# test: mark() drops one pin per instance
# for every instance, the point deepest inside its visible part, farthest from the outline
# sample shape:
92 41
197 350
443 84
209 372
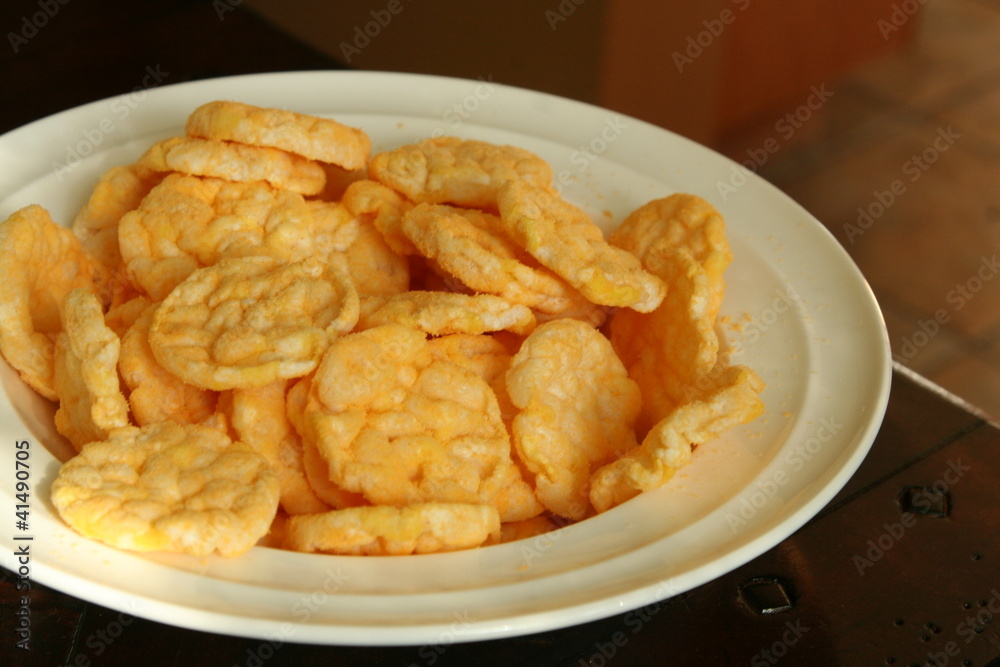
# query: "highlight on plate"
259 333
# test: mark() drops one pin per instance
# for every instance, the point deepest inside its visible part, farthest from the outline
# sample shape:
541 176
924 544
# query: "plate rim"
532 621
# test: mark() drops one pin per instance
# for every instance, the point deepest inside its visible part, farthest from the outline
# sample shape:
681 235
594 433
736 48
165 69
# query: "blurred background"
881 117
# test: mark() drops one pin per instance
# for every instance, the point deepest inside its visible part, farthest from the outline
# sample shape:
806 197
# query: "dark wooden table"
901 568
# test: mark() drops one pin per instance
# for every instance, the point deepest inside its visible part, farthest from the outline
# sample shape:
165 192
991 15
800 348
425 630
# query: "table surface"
901 568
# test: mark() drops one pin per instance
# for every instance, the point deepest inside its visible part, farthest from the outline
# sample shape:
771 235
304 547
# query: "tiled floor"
903 166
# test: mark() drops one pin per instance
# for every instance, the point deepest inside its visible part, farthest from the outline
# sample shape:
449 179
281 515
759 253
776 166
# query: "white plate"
810 327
